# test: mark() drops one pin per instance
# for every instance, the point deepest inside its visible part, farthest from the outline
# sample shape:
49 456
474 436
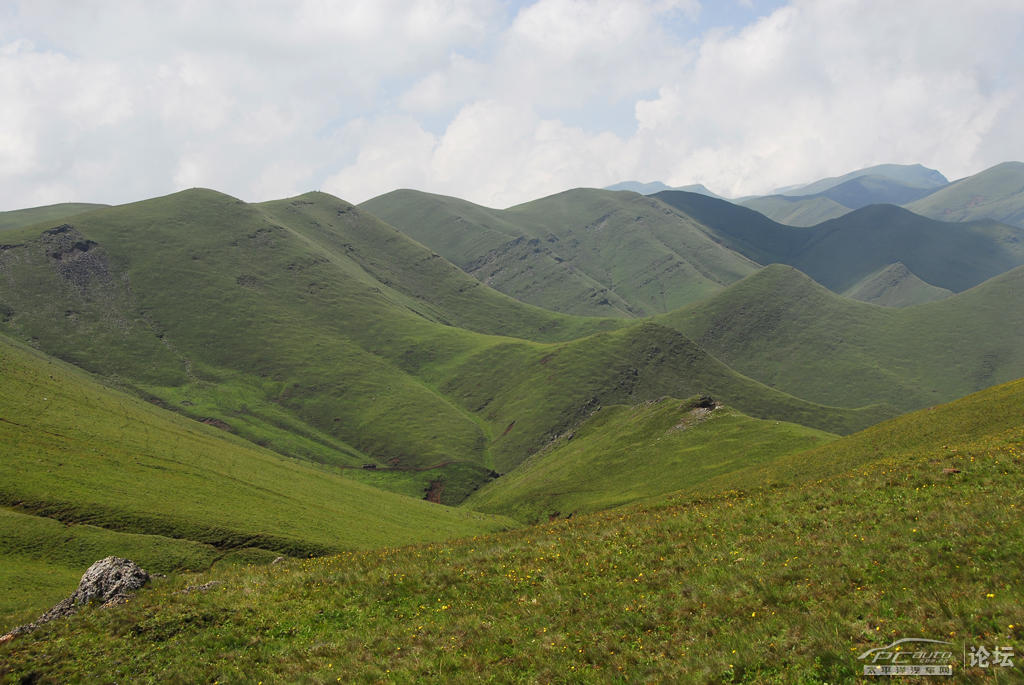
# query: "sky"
494 101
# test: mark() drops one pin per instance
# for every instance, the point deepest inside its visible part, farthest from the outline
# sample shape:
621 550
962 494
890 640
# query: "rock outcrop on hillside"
107 582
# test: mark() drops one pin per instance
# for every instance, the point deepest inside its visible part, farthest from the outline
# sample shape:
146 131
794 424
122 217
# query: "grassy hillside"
996 193
51 213
314 329
87 471
339 310
783 329
920 533
592 252
936 435
895 286
554 387
796 210
841 252
498 250
623 454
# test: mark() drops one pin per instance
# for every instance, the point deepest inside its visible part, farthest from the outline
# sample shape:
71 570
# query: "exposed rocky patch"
216 423
78 260
701 411
107 582
434 491
205 587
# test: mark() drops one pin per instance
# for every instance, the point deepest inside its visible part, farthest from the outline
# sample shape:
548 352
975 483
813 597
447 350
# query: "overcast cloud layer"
493 101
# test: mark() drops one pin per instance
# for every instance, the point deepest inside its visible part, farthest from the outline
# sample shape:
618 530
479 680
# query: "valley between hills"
602 435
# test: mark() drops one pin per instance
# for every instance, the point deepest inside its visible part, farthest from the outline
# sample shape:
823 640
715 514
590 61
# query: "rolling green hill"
895 286
50 213
996 193
313 329
541 391
623 454
87 471
301 337
909 529
796 210
593 252
937 436
785 330
840 253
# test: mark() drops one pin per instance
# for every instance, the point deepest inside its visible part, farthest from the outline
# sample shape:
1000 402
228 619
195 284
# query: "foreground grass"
780 585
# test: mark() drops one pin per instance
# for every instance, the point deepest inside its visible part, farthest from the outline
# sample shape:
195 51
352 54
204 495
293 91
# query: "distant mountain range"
995 193
606 253
657 186
905 175
840 253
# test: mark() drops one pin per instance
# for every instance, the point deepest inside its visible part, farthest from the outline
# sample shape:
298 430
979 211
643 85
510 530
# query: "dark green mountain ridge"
841 252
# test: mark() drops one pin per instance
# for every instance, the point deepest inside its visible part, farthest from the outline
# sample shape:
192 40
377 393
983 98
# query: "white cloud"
501 153
111 101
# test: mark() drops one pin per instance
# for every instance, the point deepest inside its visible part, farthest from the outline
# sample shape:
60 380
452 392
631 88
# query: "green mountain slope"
895 286
541 391
707 587
50 213
314 329
996 193
830 198
938 435
908 175
496 249
87 471
841 252
796 210
835 201
622 454
785 330
583 251
874 190
337 311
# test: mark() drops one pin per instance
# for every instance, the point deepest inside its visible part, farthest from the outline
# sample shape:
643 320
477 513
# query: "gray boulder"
107 582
